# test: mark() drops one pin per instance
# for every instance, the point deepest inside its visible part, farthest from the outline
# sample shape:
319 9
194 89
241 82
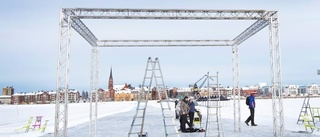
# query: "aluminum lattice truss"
276 79
72 18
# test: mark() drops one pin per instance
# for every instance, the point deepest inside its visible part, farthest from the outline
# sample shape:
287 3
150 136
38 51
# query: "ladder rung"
170 125
214 106
166 108
139 117
134 133
141 108
168 117
137 125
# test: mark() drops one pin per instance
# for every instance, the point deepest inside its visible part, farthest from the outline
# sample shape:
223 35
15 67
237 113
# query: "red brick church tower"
110 85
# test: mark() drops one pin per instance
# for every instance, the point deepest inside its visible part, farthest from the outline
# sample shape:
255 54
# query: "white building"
121 89
5 99
314 89
311 89
184 89
291 90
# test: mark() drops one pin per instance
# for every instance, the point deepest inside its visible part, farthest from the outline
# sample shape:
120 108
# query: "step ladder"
167 113
213 122
153 72
304 110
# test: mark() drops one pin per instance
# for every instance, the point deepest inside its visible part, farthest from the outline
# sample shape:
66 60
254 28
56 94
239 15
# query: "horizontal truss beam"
170 14
162 43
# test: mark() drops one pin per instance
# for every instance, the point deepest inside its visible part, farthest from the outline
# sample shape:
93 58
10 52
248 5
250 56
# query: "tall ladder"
167 116
153 71
213 124
304 110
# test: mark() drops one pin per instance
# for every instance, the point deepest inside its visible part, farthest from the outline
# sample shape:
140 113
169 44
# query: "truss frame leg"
236 85
276 81
61 111
94 92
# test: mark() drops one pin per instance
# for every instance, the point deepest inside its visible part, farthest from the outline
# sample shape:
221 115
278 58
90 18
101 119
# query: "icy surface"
114 119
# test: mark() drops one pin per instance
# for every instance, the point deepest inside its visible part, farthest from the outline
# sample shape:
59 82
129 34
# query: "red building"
247 91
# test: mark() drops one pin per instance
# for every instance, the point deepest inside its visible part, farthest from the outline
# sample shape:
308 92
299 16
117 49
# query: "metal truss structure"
162 43
61 112
72 18
236 89
94 91
276 79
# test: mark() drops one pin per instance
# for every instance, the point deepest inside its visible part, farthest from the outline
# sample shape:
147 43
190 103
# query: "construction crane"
197 89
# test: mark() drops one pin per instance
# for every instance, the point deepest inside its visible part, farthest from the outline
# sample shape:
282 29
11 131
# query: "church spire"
110 77
110 85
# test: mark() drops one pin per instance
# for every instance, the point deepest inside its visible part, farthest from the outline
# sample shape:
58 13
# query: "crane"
197 89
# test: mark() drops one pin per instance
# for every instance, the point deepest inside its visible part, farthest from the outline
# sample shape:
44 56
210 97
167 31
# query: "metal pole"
94 90
276 81
208 102
236 85
61 112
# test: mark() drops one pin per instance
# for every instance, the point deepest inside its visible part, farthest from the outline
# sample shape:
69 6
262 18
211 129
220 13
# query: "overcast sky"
30 31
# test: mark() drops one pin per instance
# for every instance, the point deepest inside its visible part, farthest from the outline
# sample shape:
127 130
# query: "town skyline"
29 45
116 86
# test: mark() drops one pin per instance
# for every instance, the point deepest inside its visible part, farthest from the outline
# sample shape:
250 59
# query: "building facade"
7 91
290 90
43 97
310 89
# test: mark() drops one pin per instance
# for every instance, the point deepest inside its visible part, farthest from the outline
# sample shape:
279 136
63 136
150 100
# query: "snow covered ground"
114 119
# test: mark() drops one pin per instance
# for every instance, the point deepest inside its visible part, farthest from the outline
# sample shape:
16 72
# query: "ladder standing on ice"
213 123
153 71
304 110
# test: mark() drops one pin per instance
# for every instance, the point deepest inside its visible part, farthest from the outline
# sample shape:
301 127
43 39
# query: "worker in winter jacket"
184 109
191 112
252 105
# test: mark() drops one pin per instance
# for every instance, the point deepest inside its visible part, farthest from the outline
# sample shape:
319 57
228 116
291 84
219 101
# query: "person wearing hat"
184 109
252 105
